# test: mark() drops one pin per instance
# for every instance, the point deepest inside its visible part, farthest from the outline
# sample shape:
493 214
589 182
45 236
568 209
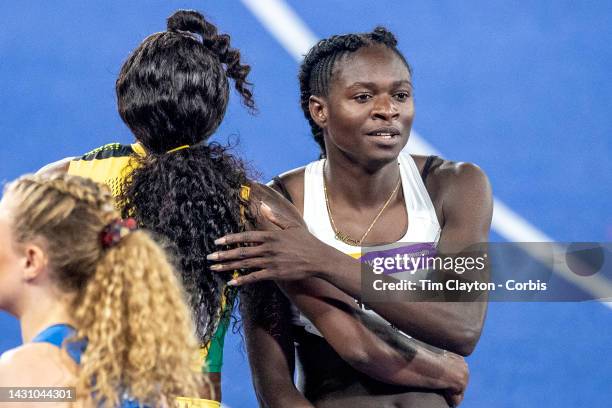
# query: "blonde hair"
129 304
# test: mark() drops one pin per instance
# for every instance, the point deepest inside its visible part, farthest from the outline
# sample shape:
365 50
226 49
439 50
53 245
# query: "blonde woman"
99 305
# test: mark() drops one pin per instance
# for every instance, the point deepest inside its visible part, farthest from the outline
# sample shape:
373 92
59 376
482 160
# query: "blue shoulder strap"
56 335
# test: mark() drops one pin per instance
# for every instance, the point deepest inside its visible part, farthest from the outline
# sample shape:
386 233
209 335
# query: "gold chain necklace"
341 236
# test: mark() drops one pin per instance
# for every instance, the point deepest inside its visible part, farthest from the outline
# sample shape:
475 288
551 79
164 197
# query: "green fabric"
214 357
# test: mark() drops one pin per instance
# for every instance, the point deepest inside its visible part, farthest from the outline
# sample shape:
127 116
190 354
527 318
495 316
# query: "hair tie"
176 149
115 230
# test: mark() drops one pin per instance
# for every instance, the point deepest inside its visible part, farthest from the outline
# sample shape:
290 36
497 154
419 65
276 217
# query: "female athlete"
99 305
357 94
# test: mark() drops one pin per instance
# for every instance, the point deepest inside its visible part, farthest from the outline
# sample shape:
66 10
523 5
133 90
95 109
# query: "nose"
385 109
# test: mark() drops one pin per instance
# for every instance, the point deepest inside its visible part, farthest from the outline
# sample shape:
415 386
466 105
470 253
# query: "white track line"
289 30
286 26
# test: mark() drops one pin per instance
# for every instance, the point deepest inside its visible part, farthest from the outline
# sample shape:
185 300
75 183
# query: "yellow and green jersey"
110 165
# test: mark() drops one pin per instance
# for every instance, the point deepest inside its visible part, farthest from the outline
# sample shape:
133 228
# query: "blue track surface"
522 89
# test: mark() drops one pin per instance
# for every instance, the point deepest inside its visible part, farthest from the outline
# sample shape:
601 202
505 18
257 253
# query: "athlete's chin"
384 155
373 156
373 164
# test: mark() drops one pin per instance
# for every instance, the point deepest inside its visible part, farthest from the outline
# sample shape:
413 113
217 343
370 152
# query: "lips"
385 136
387 132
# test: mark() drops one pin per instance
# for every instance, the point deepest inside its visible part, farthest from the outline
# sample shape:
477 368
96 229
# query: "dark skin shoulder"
451 186
294 183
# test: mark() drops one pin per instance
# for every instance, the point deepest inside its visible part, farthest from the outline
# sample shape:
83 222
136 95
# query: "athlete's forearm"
280 399
371 345
397 359
271 369
266 318
425 370
453 326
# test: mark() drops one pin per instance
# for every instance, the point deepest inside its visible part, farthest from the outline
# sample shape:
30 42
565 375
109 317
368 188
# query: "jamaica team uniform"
110 165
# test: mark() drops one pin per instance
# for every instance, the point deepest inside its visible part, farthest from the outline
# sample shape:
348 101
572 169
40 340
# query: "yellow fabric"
184 402
245 192
110 170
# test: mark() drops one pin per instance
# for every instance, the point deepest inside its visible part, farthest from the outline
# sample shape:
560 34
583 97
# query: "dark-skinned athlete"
357 94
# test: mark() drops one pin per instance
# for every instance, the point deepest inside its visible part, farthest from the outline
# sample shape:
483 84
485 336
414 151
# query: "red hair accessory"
116 230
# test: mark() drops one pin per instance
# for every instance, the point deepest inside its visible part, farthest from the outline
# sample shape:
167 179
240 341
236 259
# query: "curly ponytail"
128 304
138 327
191 197
173 91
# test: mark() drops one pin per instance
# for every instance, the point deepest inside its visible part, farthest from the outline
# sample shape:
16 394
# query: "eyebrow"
373 85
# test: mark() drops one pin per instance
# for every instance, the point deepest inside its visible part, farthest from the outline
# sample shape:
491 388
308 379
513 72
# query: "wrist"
324 267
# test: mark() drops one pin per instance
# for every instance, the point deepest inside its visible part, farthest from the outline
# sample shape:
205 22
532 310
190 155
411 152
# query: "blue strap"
56 335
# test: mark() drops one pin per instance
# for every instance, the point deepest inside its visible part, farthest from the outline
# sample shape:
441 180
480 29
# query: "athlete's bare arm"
463 200
266 318
401 361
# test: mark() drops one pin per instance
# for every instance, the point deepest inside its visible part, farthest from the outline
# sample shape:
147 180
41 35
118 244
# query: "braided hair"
126 300
172 91
317 69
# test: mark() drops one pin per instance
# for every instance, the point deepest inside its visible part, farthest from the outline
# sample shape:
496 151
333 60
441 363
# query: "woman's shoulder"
455 187
450 183
292 179
458 176
58 166
448 171
37 365
291 185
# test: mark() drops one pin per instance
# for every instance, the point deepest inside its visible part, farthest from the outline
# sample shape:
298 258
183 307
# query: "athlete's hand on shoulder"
289 252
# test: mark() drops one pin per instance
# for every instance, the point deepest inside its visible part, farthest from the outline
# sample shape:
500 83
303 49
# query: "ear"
318 110
34 260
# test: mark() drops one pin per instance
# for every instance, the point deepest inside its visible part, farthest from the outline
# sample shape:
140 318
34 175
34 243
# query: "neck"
360 186
42 309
